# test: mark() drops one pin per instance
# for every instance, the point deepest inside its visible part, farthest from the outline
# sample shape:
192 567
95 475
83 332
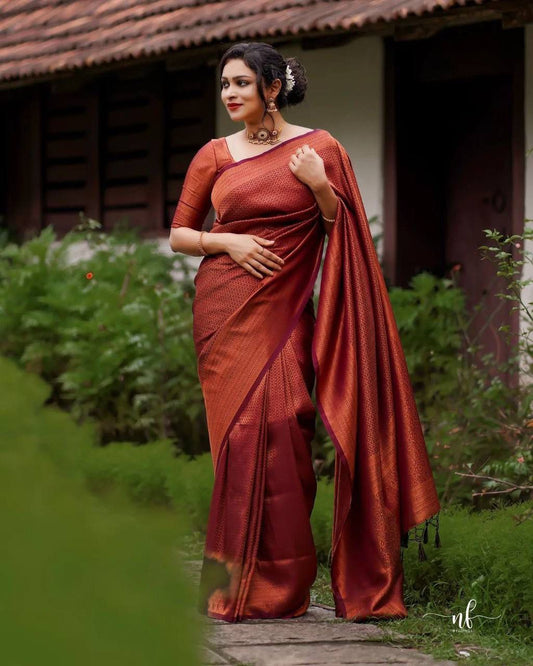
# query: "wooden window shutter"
190 123
70 158
119 149
132 157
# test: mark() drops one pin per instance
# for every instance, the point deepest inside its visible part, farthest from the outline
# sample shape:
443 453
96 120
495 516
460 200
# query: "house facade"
104 104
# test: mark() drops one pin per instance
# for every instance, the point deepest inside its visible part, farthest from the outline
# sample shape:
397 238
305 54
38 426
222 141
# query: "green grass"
85 580
321 591
502 641
438 636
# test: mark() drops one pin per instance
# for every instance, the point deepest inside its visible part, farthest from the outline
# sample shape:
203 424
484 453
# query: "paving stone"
329 654
317 638
290 632
318 614
211 658
314 614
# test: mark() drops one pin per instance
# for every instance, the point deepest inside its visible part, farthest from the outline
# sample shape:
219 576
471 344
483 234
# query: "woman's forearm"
187 241
327 201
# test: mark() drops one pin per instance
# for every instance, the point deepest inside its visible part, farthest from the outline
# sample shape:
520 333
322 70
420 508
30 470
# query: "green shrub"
189 484
428 315
476 421
112 334
151 474
141 470
83 581
118 348
482 430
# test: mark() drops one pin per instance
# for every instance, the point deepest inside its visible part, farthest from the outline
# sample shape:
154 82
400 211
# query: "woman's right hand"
251 253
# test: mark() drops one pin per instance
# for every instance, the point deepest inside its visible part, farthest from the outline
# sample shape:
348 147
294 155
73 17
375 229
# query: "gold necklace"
264 136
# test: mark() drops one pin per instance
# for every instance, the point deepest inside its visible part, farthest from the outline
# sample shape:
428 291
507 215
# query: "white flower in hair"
290 79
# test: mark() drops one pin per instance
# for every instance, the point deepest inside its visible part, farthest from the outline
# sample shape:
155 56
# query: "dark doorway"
458 102
4 164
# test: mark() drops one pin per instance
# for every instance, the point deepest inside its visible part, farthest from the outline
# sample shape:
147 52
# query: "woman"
278 189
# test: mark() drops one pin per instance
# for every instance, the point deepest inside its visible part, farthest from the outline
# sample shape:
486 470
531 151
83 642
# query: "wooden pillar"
518 158
518 134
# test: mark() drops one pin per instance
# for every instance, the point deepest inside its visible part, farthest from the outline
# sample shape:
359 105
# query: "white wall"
345 97
528 113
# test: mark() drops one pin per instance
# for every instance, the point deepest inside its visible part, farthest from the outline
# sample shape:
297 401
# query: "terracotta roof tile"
39 37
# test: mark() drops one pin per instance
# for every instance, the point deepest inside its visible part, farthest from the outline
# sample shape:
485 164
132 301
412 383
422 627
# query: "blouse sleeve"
195 199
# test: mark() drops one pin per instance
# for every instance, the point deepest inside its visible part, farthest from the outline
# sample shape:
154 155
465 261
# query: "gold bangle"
200 246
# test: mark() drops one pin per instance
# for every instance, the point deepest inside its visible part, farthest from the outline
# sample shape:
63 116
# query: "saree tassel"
420 535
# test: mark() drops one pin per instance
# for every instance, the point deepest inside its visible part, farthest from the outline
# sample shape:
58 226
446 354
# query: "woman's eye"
240 83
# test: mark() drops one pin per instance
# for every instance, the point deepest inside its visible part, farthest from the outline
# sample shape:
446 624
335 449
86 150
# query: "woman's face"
239 92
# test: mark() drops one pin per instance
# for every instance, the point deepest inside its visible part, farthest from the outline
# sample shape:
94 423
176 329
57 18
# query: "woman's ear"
273 89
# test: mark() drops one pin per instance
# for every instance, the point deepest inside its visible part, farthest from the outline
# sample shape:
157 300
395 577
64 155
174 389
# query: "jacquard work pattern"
243 329
252 327
384 483
259 529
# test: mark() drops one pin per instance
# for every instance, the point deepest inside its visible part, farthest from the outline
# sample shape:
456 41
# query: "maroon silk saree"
260 349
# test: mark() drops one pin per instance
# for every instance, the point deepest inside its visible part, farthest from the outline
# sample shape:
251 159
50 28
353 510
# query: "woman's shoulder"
322 138
209 147
333 151
317 137
327 136
205 150
297 130
331 141
212 154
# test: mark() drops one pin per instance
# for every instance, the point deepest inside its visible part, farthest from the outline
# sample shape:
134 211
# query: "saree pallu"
260 348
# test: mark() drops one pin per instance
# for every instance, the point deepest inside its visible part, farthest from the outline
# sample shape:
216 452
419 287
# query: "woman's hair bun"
297 94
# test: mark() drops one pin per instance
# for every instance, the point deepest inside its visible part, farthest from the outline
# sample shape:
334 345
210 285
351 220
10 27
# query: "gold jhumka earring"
263 134
271 106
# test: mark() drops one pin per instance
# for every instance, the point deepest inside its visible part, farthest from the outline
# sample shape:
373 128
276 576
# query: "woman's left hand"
307 165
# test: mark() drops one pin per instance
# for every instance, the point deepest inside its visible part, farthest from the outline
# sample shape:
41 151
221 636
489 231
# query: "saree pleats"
259 348
260 558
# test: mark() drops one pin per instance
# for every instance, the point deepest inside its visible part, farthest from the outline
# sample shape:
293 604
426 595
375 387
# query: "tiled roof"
40 37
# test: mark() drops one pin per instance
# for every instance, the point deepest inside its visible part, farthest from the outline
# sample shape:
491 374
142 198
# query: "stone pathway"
315 639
